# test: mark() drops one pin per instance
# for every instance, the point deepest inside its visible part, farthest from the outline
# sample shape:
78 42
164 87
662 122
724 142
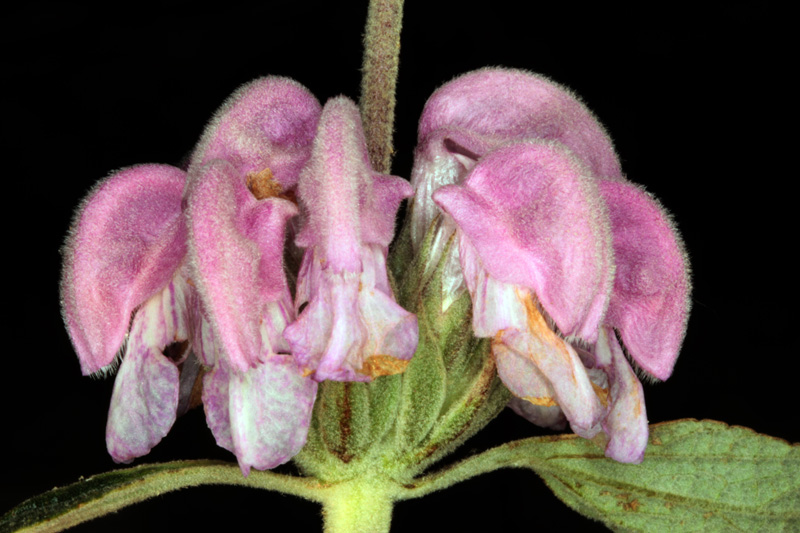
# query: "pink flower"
199 279
125 287
557 250
351 328
184 273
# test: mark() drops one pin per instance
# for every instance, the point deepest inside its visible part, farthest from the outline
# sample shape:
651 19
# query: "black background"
696 102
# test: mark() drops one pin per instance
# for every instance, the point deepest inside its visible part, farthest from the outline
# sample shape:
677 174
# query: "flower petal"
532 360
508 104
551 417
535 218
558 364
520 375
351 329
126 242
204 343
347 204
216 401
444 157
146 389
236 251
626 422
262 415
651 299
144 403
496 305
268 123
392 332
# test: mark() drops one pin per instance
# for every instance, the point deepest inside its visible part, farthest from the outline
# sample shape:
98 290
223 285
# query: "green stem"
361 505
379 79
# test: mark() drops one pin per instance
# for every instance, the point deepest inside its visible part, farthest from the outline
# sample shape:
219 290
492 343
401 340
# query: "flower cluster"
559 252
260 271
184 274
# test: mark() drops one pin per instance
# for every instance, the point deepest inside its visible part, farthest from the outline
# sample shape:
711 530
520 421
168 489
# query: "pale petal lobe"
146 390
626 422
262 414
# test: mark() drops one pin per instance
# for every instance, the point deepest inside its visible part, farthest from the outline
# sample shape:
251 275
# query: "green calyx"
396 426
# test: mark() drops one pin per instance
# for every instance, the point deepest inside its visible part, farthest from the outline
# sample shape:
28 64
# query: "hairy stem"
379 79
362 505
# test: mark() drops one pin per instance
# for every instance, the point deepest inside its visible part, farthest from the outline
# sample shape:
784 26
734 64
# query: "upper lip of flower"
508 104
127 240
236 249
544 230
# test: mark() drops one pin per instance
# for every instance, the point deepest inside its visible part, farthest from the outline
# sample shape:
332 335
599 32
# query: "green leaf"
96 496
696 476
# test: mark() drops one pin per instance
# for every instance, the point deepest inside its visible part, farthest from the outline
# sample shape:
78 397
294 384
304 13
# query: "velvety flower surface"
558 251
125 255
195 268
539 241
480 110
124 246
650 302
156 377
351 328
183 275
258 404
649 308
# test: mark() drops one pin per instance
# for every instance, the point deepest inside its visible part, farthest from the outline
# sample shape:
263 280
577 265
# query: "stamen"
383 365
538 324
263 184
602 394
544 401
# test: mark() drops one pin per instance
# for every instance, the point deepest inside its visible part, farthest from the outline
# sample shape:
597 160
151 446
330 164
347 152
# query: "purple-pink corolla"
182 274
559 252
351 328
